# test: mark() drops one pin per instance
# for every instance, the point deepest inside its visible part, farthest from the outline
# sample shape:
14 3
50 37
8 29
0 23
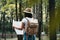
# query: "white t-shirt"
24 20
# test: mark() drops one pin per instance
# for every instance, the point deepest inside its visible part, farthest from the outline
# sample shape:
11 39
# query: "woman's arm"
17 28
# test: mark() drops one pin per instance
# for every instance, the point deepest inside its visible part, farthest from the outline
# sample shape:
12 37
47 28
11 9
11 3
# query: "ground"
43 37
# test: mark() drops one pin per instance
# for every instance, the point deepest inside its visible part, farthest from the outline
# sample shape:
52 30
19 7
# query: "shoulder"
24 20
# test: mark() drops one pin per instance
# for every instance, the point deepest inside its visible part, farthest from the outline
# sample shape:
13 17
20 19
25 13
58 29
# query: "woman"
28 15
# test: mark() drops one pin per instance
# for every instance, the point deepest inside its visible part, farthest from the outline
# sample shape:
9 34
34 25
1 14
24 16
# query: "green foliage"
57 3
57 10
33 2
30 3
10 1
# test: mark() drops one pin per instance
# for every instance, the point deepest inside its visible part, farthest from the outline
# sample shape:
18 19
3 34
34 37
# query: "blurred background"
46 11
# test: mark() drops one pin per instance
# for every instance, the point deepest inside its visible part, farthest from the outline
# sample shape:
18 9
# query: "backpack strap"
28 25
28 22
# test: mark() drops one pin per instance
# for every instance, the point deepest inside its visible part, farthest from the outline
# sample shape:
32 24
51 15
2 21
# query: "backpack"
32 27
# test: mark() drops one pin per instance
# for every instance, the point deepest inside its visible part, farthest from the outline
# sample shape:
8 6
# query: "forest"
46 11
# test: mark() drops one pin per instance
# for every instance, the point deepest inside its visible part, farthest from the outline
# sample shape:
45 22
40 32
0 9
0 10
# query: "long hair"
28 15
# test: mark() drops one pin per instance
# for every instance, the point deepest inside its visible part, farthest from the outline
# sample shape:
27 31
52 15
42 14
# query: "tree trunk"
3 25
20 10
39 13
52 23
16 10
